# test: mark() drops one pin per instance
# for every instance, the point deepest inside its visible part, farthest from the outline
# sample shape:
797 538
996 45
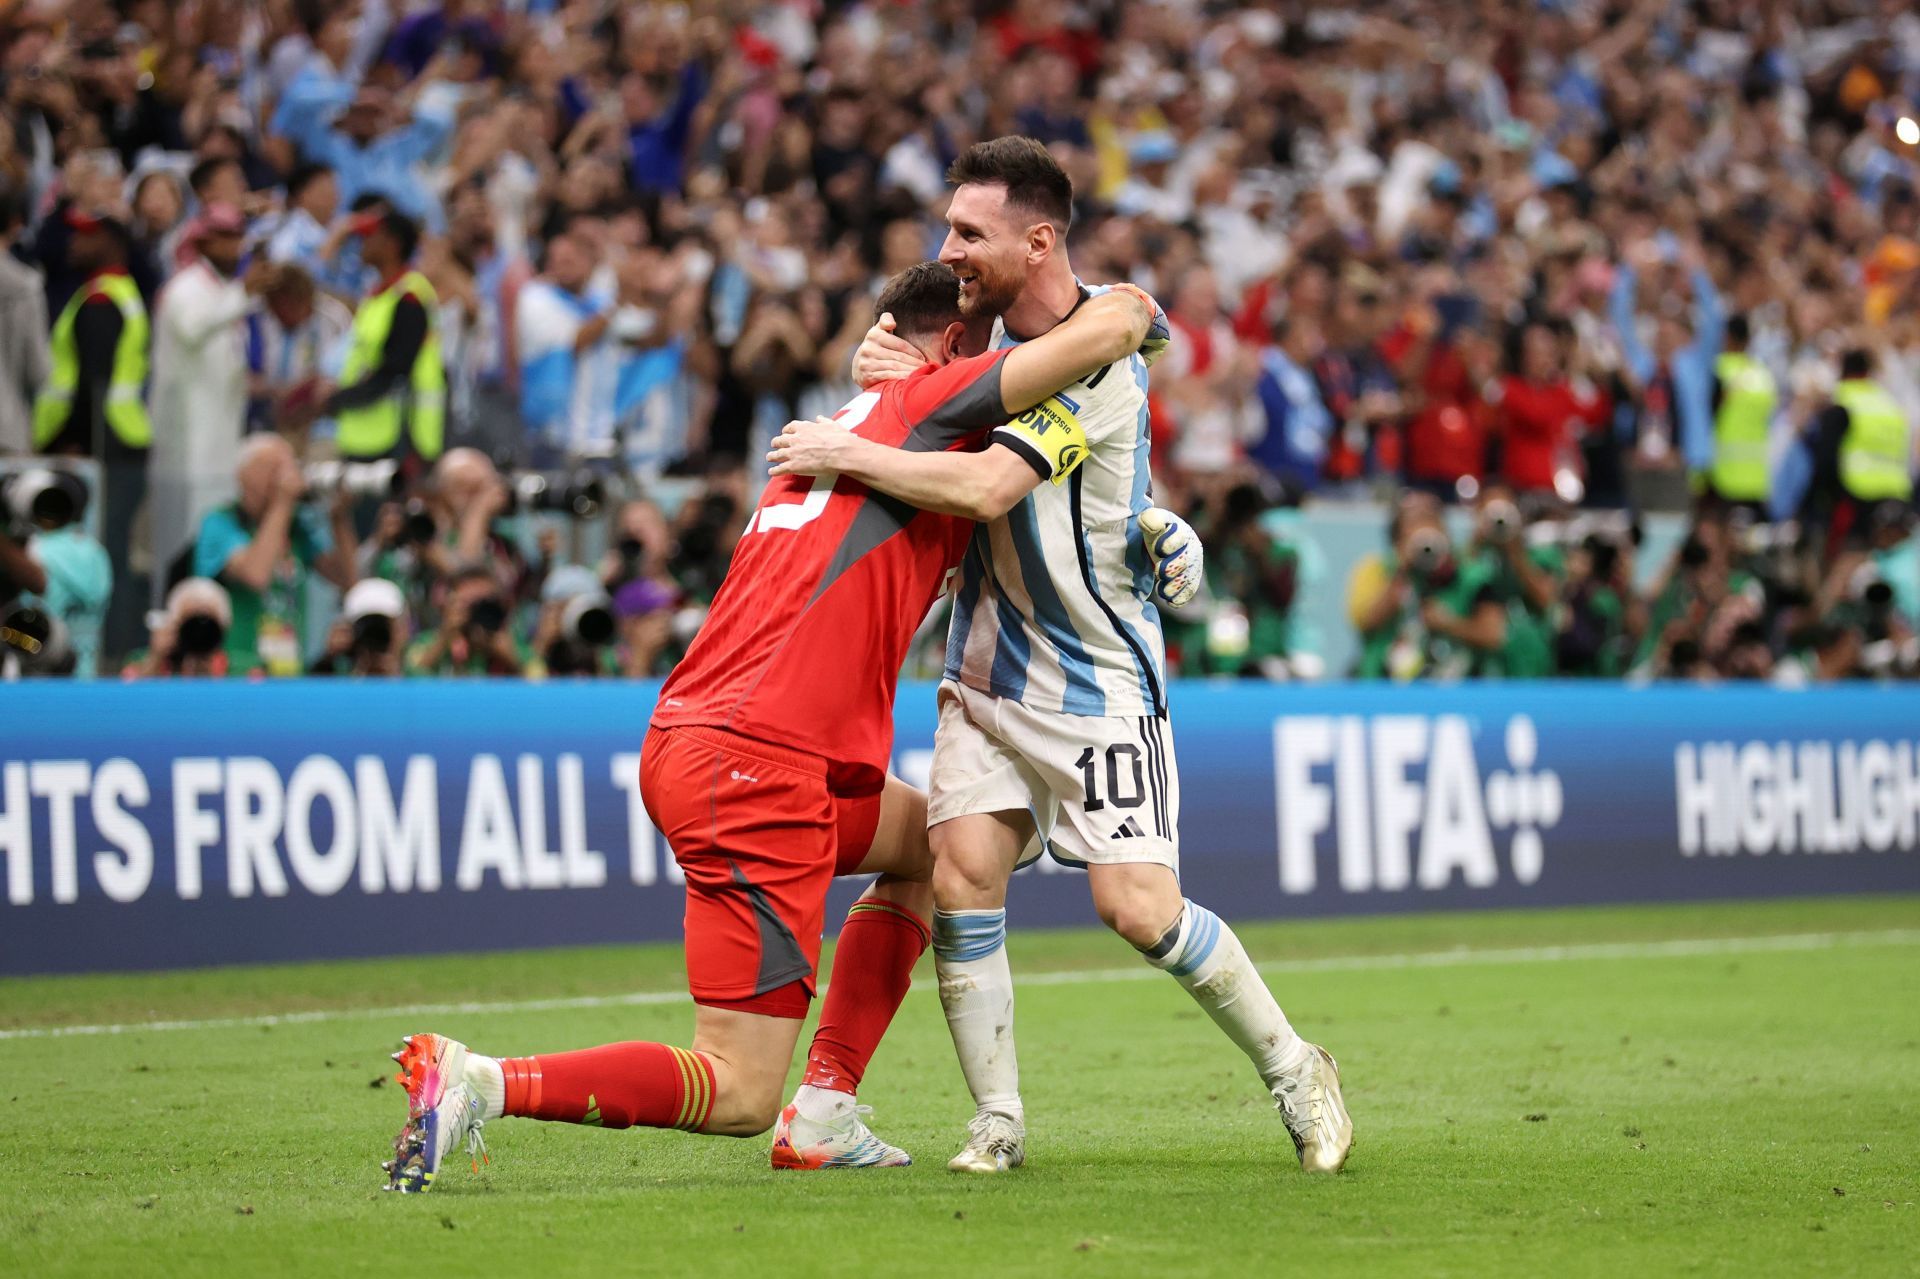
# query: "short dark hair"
404 230
202 173
1857 362
1739 330
1033 178
924 299
305 176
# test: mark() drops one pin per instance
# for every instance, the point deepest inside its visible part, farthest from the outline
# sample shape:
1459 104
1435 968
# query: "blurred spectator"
263 547
1539 415
298 344
371 140
371 635
199 393
566 373
23 327
313 201
1292 446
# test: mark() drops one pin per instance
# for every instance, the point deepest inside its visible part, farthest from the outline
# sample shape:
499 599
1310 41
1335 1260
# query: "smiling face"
987 247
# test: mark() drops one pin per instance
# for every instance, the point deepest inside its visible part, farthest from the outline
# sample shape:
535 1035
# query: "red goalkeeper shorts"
760 835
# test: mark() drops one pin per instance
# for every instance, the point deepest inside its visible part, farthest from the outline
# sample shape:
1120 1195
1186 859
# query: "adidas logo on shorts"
1129 829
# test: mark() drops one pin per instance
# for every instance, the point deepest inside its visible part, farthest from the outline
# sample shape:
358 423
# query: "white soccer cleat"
1316 1114
443 1111
995 1143
799 1142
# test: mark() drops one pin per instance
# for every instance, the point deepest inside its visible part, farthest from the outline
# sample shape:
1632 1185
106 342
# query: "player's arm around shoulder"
974 486
1104 329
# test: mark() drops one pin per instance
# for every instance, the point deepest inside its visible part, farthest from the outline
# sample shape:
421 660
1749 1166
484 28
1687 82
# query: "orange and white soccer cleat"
443 1111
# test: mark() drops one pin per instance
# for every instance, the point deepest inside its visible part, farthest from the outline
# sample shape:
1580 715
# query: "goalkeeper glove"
1159 334
1179 560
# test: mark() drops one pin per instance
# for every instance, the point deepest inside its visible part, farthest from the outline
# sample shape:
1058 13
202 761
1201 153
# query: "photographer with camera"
188 638
1698 580
475 635
75 581
370 637
1422 611
1603 617
577 629
464 497
264 547
1524 578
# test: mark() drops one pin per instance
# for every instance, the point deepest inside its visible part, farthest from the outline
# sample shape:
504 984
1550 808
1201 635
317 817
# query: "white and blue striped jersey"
1052 604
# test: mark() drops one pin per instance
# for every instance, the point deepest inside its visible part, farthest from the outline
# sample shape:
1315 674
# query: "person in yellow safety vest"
98 350
1862 443
1744 399
391 401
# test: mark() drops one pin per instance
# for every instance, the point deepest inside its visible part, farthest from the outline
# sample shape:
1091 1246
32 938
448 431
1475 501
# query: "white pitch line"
1458 957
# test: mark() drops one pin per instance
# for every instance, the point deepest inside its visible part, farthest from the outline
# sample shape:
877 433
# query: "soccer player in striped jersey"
1053 711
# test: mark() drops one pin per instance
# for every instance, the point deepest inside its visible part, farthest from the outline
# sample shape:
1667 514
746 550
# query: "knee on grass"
740 1108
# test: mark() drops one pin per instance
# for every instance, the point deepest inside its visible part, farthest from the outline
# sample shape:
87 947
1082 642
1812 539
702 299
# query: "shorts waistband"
753 747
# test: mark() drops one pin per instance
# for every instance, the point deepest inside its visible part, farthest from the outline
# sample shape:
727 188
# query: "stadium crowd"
398 296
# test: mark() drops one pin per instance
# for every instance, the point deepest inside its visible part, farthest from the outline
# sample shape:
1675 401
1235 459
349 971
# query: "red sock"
617 1086
872 968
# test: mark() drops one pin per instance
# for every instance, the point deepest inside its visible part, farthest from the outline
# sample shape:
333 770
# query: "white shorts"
1101 789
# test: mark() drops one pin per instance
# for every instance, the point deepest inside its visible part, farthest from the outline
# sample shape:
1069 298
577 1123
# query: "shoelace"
1299 1107
476 1144
991 1132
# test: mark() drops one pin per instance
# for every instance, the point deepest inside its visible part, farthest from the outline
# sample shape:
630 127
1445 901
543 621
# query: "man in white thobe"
198 393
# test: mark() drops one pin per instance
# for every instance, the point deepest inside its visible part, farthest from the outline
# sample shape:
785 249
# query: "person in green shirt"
1425 612
264 547
475 635
1526 580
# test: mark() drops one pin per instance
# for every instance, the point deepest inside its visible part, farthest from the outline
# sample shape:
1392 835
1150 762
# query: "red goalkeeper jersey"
830 581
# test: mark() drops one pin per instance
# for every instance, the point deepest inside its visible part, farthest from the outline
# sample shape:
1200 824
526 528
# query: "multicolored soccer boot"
1316 1113
995 1143
799 1142
443 1110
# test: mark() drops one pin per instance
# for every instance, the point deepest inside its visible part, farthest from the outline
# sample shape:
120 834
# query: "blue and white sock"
1208 961
976 990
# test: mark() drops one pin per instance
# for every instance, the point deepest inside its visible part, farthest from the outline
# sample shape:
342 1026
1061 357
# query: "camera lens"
200 635
1878 594
594 626
373 633
488 615
419 527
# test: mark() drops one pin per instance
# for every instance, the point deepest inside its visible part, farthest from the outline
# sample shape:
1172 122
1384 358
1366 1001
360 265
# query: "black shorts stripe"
1160 767
1149 730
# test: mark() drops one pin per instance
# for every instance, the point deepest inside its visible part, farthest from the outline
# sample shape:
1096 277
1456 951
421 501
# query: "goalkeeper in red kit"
765 767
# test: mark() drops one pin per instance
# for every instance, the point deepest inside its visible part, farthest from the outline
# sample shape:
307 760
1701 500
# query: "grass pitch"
1574 1092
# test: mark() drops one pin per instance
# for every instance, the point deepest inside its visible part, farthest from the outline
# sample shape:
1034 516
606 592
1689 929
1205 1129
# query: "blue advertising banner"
168 824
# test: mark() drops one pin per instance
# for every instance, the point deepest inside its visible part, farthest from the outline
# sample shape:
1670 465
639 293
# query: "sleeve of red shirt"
955 402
